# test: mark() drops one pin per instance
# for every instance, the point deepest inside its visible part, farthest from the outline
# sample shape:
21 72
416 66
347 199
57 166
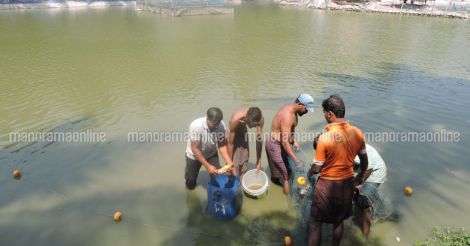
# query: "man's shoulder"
357 131
355 128
197 124
222 126
237 115
234 121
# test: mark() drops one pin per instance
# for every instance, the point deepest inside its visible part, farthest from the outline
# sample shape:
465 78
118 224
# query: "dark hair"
215 114
253 116
315 141
335 104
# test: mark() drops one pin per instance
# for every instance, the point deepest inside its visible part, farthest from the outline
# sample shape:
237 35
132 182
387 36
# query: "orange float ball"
17 174
117 216
408 191
287 241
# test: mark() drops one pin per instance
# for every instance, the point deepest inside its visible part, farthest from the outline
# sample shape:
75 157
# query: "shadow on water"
389 76
69 191
267 228
264 229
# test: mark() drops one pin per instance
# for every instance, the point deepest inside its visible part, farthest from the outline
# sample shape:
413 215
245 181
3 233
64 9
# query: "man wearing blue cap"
279 143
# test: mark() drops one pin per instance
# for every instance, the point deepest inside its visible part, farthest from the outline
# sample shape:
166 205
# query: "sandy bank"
447 9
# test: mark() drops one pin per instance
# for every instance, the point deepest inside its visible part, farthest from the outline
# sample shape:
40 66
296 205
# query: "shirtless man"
278 145
238 138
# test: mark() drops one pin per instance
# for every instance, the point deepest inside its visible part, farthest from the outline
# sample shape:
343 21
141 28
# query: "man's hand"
299 163
314 169
311 172
258 166
296 146
368 173
212 170
359 180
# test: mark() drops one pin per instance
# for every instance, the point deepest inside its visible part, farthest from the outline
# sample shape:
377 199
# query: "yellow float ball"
117 216
408 191
301 181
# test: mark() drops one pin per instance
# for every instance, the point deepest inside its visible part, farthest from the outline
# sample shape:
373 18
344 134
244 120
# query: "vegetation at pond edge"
446 236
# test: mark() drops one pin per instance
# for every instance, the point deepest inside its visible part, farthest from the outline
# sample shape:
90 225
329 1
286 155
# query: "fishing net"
381 207
300 195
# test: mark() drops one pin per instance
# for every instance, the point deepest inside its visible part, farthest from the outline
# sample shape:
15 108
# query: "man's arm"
259 143
368 173
314 169
231 136
296 145
319 160
200 157
364 163
224 151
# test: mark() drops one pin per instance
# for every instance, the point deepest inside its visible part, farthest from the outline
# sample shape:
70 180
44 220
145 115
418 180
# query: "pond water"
117 71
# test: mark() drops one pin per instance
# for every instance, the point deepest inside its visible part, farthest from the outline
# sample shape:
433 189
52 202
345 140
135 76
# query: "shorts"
192 169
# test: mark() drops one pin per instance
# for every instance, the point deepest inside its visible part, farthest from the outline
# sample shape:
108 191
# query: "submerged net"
301 203
381 208
300 196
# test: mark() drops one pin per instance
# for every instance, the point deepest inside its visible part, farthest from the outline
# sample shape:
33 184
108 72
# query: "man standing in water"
237 144
368 198
206 135
334 159
278 144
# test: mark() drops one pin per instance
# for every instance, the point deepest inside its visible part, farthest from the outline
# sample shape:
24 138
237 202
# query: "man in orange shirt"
334 160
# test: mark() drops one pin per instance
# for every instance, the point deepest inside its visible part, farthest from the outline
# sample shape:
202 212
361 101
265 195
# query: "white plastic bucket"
255 178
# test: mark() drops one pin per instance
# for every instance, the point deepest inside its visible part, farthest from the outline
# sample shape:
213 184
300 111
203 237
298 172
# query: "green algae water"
119 71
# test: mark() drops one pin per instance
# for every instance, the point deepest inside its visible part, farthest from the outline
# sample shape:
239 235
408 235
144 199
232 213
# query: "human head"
306 100
214 116
333 108
253 117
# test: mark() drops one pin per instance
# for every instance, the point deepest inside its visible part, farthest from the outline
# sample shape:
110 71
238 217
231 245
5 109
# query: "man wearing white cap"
279 143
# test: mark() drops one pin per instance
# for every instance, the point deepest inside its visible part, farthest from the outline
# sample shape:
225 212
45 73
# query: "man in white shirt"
206 136
368 199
